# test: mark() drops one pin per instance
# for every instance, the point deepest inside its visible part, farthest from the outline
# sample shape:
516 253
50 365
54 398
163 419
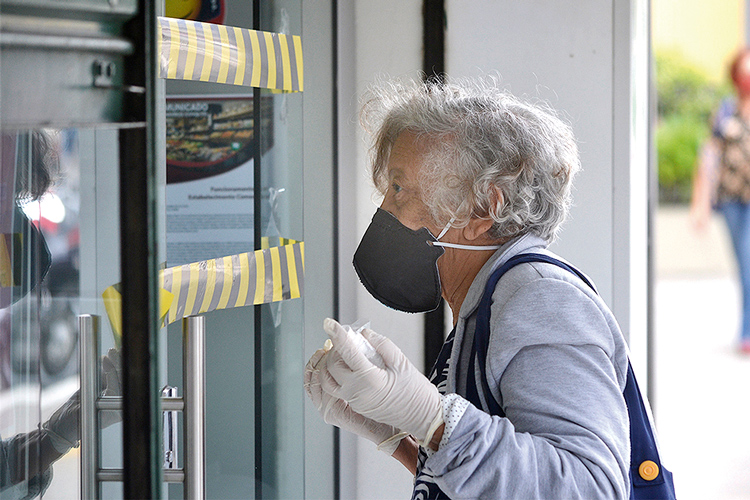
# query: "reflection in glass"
282 323
38 297
43 290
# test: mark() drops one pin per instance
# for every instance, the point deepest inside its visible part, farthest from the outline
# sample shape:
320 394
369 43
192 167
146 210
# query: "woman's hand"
704 185
398 395
337 412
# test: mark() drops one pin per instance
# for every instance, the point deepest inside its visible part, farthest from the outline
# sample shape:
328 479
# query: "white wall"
589 60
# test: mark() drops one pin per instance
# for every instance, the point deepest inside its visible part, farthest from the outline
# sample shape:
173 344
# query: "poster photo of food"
210 136
211 144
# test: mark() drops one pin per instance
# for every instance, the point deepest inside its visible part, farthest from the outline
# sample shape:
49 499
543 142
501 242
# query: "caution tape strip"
239 280
251 278
191 50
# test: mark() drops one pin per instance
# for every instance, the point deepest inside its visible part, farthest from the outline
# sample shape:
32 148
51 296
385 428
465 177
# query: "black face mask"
398 265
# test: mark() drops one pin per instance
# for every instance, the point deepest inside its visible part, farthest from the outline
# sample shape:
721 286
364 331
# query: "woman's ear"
477 227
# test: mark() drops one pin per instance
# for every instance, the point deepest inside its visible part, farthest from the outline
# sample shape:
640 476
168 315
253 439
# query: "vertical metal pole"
88 327
257 233
194 381
141 412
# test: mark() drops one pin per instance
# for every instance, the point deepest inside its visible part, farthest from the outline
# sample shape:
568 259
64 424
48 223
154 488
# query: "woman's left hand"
398 395
336 411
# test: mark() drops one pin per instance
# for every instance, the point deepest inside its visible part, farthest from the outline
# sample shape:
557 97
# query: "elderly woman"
471 177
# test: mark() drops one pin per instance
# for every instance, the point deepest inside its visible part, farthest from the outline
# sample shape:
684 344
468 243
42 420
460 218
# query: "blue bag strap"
642 441
643 447
482 333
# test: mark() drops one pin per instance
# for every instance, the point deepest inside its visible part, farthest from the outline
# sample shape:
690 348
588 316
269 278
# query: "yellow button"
648 470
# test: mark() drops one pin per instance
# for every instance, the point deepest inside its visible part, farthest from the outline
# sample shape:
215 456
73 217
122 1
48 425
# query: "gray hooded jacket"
557 364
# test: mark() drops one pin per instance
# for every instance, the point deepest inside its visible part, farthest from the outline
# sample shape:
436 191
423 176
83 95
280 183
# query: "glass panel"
282 322
281 336
60 236
59 251
210 150
219 139
211 143
49 228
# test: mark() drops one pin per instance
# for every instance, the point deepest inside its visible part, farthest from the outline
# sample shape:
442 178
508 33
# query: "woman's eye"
396 188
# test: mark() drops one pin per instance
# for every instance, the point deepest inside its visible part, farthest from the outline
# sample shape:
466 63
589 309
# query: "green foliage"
686 101
678 139
684 90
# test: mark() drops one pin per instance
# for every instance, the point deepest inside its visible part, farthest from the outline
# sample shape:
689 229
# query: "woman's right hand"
704 185
337 412
700 215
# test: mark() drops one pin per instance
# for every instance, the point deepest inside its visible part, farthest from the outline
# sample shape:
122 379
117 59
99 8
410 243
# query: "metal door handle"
194 380
193 404
88 328
170 431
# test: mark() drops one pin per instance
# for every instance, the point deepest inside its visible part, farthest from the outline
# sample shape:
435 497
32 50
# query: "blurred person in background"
722 178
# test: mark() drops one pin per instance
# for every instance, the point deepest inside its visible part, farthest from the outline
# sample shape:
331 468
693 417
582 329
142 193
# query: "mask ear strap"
455 245
445 229
465 247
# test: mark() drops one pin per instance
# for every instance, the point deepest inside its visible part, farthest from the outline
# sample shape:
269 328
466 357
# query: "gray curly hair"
491 154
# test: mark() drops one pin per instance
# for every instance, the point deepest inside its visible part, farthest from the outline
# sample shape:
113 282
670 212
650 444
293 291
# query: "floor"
702 396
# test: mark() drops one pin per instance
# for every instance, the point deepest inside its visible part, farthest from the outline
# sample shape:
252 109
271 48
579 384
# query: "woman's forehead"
406 155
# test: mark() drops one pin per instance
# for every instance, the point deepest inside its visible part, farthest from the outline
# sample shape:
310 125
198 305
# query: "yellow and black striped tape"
266 275
207 52
245 279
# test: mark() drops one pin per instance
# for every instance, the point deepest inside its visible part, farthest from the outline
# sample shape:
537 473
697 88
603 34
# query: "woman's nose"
387 204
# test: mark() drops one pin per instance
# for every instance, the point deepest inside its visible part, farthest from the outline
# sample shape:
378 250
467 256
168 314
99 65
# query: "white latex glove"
111 380
63 427
337 412
111 374
398 395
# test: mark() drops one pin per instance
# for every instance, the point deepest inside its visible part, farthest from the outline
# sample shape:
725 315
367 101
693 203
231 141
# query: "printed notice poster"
210 148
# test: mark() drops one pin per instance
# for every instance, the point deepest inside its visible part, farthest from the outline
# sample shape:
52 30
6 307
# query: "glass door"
76 128
60 250
234 187
87 272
